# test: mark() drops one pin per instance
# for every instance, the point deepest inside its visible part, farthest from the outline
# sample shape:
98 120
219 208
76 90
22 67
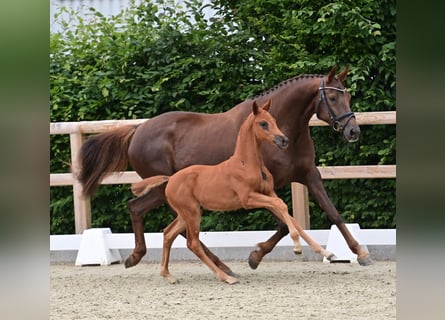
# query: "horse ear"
331 74
266 106
342 75
255 108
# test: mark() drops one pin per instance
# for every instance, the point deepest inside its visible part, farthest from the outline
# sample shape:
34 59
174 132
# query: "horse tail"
142 187
102 154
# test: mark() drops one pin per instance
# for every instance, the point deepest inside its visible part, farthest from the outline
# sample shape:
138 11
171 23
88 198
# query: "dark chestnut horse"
242 181
175 140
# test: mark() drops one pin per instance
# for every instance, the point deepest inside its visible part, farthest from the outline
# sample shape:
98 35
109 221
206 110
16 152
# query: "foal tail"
102 154
142 187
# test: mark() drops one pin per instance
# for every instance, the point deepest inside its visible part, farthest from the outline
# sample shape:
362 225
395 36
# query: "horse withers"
242 181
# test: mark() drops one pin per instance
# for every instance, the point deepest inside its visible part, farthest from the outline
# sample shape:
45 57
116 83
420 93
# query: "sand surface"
276 290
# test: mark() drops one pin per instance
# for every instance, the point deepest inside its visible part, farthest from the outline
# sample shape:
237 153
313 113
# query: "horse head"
265 126
334 105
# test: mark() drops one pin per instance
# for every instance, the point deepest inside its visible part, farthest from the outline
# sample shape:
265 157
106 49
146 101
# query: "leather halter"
336 125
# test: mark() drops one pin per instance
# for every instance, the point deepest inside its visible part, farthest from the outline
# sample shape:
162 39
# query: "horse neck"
247 145
293 102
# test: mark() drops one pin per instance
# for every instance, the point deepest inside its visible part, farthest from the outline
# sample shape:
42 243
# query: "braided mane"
287 82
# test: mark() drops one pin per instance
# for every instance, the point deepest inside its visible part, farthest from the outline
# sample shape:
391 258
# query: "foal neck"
248 146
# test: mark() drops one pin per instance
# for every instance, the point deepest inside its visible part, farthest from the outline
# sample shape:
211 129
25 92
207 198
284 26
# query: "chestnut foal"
242 181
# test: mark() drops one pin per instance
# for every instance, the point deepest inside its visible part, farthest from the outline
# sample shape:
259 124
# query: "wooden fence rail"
300 202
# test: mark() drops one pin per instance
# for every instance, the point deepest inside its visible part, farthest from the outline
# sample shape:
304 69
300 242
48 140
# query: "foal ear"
266 106
331 74
342 75
255 108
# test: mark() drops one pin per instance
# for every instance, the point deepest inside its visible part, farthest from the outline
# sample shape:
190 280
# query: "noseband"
336 125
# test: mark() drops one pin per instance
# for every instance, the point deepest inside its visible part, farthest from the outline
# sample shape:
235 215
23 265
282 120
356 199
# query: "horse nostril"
354 133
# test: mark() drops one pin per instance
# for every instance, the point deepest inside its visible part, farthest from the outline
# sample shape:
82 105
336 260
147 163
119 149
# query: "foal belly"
214 199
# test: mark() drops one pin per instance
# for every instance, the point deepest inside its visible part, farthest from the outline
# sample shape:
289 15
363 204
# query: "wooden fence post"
82 205
300 204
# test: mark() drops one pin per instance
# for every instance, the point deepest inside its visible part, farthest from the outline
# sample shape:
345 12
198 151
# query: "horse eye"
264 125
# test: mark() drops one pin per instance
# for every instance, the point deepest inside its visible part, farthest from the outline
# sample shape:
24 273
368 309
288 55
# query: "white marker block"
94 249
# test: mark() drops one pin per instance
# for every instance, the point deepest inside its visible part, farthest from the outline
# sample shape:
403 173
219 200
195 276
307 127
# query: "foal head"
334 105
265 126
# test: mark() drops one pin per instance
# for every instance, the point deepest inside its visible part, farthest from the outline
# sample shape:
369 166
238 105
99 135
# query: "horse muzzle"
351 133
281 141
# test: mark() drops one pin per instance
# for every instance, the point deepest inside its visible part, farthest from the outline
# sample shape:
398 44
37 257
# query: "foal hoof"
253 261
331 257
298 250
365 261
231 280
171 279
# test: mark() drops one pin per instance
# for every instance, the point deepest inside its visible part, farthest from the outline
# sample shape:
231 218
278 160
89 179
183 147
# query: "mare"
242 181
175 140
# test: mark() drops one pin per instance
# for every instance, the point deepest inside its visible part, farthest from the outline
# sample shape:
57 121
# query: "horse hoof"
298 250
231 280
253 262
365 261
131 261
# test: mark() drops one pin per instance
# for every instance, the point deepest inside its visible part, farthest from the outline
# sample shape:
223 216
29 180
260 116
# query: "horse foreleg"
138 207
316 188
265 247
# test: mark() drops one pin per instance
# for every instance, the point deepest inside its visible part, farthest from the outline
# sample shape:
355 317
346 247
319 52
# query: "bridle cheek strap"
336 125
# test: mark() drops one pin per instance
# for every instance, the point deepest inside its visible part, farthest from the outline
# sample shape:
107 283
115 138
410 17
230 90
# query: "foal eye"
264 125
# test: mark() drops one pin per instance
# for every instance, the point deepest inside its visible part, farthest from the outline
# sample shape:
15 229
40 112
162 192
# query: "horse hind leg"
138 207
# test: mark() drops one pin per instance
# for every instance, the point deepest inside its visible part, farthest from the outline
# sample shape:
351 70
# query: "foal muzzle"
281 141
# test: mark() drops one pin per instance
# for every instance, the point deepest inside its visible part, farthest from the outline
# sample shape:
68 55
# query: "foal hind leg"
171 232
138 207
213 257
192 219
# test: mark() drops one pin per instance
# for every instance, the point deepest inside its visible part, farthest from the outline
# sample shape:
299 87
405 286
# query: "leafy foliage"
156 57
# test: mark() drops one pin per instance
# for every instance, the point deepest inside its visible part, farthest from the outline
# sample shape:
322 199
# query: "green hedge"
156 57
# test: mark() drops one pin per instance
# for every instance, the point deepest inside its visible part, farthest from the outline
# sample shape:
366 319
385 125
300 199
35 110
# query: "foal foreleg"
279 209
315 246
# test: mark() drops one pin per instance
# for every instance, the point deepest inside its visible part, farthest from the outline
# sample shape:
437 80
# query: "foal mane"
287 82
